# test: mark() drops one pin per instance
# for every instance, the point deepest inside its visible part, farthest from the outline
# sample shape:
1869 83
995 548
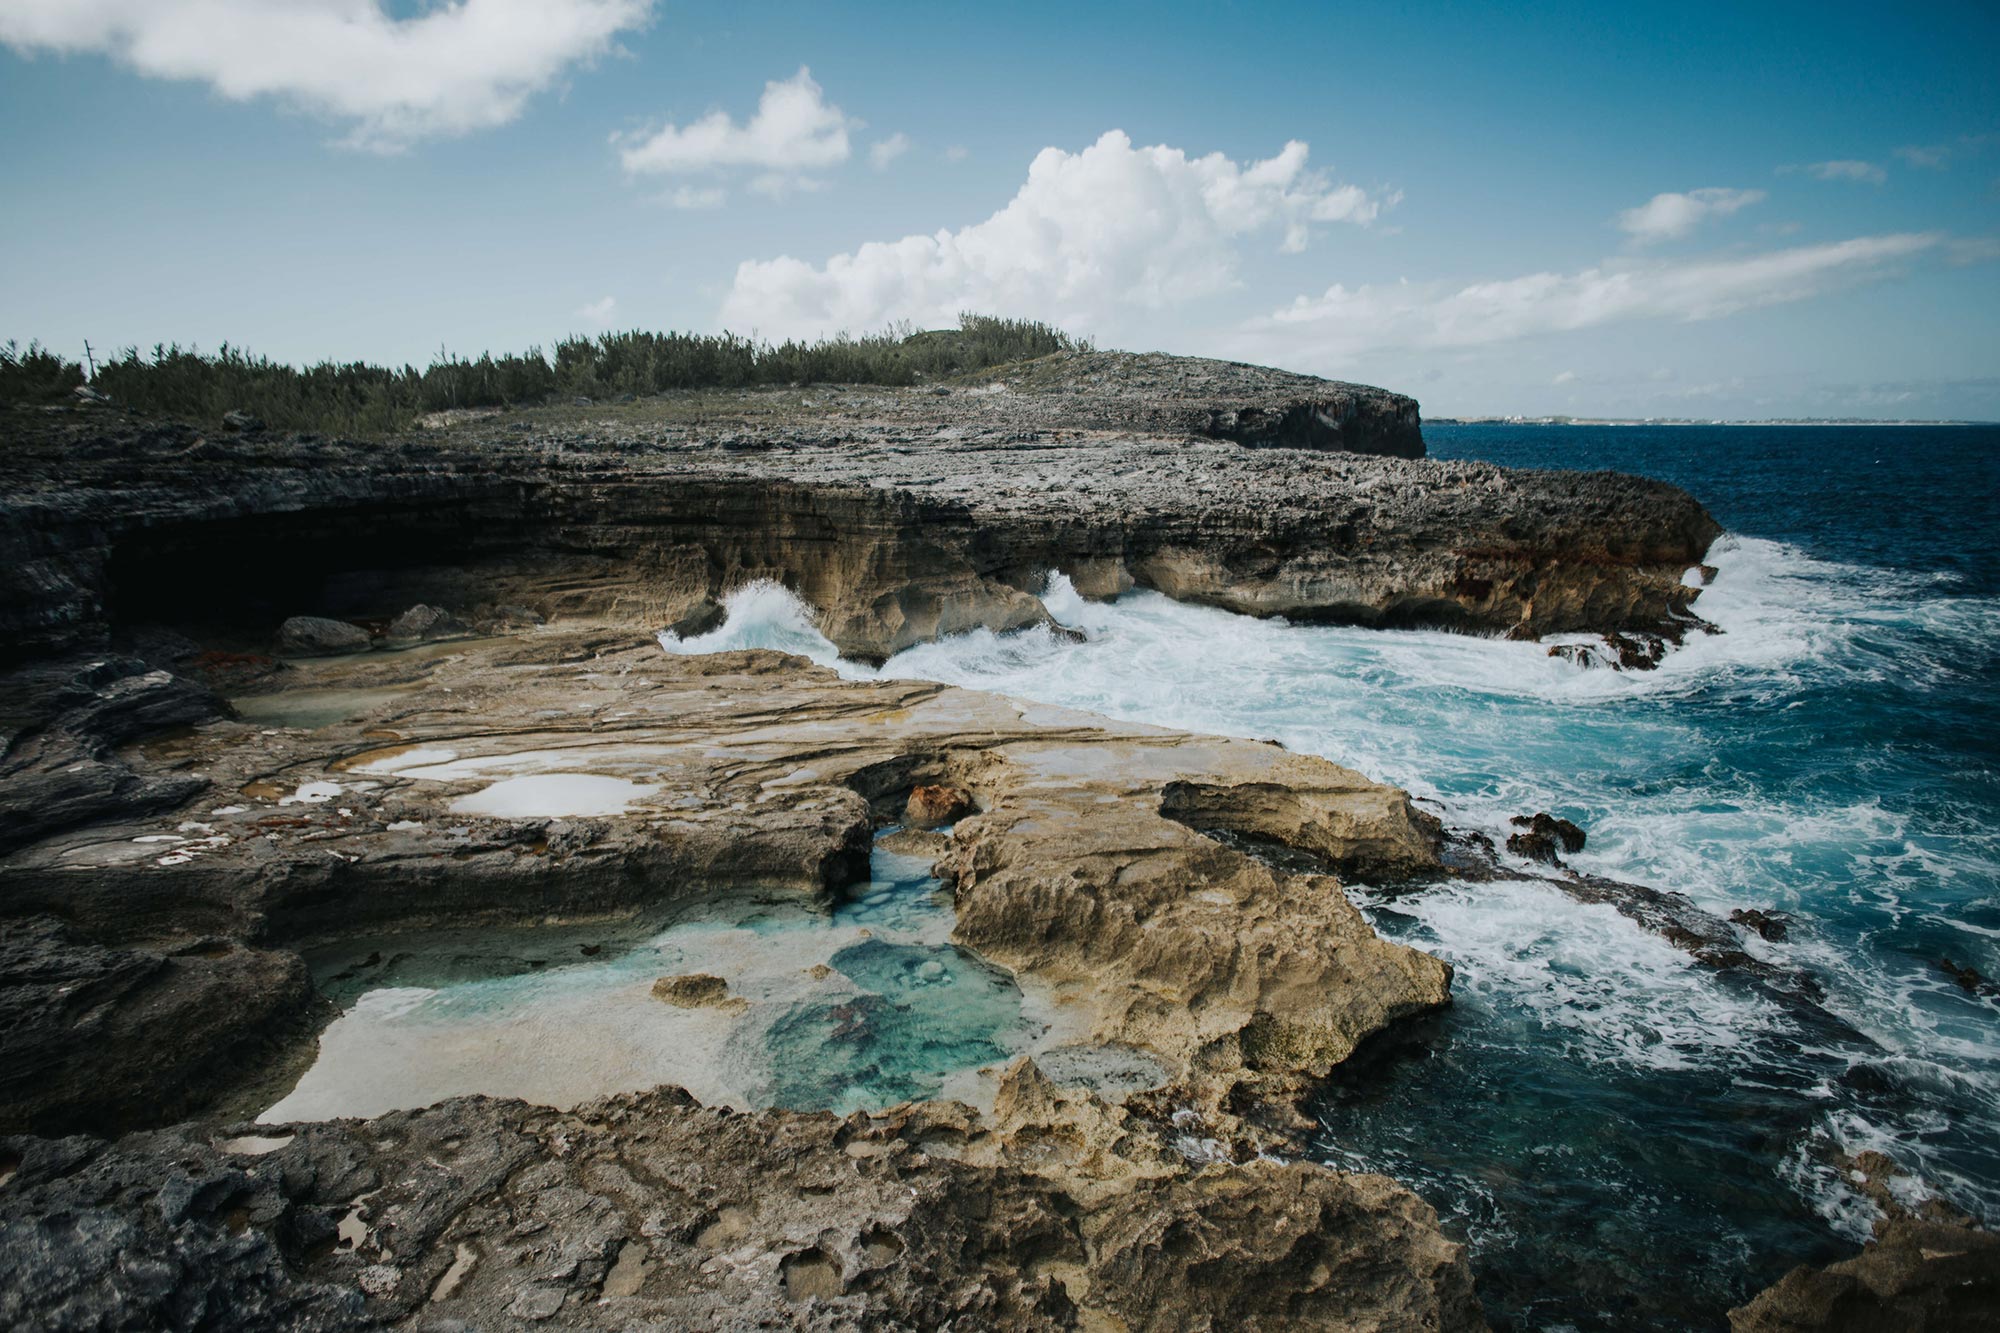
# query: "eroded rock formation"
1068 1199
1171 904
899 516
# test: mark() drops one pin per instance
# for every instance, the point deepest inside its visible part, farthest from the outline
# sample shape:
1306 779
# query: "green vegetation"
358 398
35 375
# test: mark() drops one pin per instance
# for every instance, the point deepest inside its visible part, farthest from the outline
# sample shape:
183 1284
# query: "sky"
1744 211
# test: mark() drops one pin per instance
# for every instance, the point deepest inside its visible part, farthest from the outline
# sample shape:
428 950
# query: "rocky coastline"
1172 903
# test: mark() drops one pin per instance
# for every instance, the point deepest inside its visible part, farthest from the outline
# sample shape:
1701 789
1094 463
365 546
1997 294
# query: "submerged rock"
1967 978
696 990
1772 926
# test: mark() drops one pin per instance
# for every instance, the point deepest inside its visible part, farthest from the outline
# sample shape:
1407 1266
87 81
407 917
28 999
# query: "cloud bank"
1345 322
1108 229
449 70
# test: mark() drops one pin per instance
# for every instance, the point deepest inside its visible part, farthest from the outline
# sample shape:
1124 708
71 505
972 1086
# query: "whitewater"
1625 1137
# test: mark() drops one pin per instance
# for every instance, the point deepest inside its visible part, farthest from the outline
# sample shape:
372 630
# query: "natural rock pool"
857 1007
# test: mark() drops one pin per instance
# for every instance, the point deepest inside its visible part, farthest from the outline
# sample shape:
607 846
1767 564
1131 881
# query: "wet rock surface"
1929 1268
898 515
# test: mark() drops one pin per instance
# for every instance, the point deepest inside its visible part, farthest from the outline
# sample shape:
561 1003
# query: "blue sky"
1766 210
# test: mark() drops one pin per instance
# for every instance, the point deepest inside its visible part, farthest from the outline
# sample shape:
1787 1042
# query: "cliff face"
899 516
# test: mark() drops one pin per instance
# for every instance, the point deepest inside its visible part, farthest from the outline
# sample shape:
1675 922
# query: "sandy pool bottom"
855 1008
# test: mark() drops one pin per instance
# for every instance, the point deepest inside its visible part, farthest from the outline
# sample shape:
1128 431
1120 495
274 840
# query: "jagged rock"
653 1211
421 623
316 636
1930 1269
706 615
1543 837
1773 926
1675 917
1623 651
66 725
160 1031
86 396
936 804
240 420
1532 846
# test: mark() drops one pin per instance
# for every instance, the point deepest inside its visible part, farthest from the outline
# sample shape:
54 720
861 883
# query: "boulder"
694 990
239 420
1772 926
1543 836
930 806
316 636
421 623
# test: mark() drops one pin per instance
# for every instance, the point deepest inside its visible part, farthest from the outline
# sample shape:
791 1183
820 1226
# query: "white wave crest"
1607 990
760 614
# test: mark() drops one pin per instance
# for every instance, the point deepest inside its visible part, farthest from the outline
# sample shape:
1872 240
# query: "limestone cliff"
898 515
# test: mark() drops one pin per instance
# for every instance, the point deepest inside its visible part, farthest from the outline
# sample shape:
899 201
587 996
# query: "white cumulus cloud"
447 70
1666 216
884 151
794 130
1111 228
1347 321
598 312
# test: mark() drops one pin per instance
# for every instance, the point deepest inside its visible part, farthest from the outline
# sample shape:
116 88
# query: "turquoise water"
859 1007
1624 1138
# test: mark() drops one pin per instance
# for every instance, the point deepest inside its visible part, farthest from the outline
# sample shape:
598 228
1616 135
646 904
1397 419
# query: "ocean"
1625 1138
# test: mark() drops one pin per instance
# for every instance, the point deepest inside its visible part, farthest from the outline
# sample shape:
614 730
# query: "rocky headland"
483 598
899 515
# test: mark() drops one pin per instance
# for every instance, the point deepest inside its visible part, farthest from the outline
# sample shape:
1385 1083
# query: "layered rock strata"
898 515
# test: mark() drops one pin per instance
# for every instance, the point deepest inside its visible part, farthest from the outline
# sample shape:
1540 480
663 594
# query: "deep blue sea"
1626 1139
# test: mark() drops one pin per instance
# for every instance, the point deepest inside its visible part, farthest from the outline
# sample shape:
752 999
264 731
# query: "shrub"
358 398
35 374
